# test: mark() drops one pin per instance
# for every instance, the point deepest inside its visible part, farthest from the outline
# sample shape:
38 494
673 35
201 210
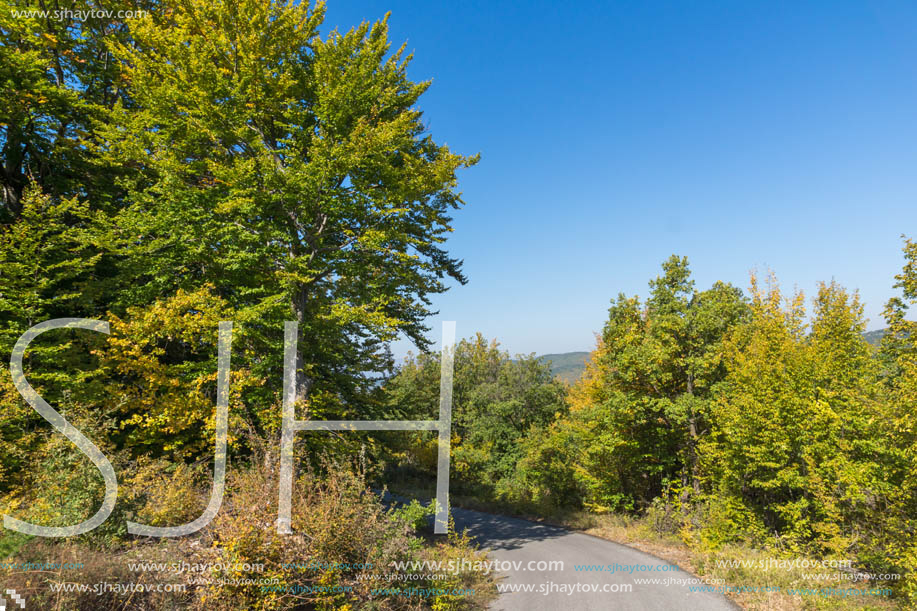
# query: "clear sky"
768 135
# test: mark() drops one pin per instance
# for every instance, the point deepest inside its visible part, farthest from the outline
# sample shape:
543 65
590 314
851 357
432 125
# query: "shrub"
341 533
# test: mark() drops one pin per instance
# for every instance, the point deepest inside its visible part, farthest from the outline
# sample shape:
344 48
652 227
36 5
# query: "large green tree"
291 171
638 415
207 161
665 358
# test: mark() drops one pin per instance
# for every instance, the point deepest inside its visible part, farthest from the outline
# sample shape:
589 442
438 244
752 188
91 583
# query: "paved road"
520 541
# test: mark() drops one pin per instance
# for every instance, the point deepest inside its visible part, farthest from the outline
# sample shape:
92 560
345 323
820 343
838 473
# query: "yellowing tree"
899 358
796 425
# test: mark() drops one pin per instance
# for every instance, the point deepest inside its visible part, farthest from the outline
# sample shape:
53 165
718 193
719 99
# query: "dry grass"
640 534
337 520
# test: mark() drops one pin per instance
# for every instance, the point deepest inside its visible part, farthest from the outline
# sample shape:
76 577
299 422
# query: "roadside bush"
338 523
342 536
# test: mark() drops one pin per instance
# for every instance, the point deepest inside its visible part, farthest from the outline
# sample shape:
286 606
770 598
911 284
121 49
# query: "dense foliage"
737 419
497 402
203 161
254 171
166 166
752 420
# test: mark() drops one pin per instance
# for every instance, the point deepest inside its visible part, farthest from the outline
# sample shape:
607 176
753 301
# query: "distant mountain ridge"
873 338
569 366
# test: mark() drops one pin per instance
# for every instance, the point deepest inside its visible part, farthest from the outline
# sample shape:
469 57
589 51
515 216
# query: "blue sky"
771 135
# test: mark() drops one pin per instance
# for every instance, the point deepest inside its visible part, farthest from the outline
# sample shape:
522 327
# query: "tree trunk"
303 382
692 430
13 179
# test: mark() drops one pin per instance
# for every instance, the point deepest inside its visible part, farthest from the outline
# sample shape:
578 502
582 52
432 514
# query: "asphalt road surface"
516 543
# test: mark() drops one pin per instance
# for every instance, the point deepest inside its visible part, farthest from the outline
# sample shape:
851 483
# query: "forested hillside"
874 338
568 366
